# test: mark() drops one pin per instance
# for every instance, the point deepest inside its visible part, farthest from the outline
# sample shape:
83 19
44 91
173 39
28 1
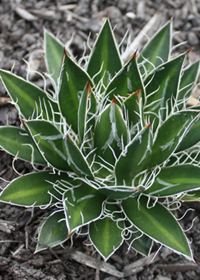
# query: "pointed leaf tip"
148 125
107 14
139 91
187 52
114 101
23 121
134 56
69 234
88 86
65 52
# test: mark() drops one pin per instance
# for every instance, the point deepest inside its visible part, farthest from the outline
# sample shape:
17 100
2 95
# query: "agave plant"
113 146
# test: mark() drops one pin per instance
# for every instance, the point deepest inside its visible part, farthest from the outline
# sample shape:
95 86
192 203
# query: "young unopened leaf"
112 136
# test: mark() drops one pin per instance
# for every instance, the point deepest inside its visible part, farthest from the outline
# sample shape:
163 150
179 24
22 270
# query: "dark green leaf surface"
110 133
187 81
126 81
174 180
119 192
157 223
32 189
54 50
82 112
132 160
139 242
53 231
104 56
192 196
49 140
157 50
106 234
134 108
169 135
30 99
82 205
164 85
72 82
17 143
191 138
75 158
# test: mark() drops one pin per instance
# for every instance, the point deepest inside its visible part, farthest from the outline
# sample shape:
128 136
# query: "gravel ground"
21 39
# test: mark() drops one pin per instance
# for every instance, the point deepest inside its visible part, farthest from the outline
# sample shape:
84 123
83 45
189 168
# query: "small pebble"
113 12
29 39
192 38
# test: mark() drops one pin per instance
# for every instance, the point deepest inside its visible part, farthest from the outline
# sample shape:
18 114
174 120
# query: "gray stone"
192 38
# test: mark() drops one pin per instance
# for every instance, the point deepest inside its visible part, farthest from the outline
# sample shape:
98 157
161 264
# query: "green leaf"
82 204
133 108
104 61
139 242
106 234
119 192
53 232
191 138
48 140
75 158
54 50
188 79
175 180
164 85
191 196
32 189
82 112
157 223
110 133
169 135
72 82
17 143
157 50
126 81
132 159
30 99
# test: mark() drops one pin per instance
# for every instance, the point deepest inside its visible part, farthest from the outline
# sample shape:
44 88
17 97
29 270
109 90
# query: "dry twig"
140 37
4 101
92 262
25 14
183 267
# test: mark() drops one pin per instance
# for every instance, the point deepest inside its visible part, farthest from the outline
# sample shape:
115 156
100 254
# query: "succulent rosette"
117 147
